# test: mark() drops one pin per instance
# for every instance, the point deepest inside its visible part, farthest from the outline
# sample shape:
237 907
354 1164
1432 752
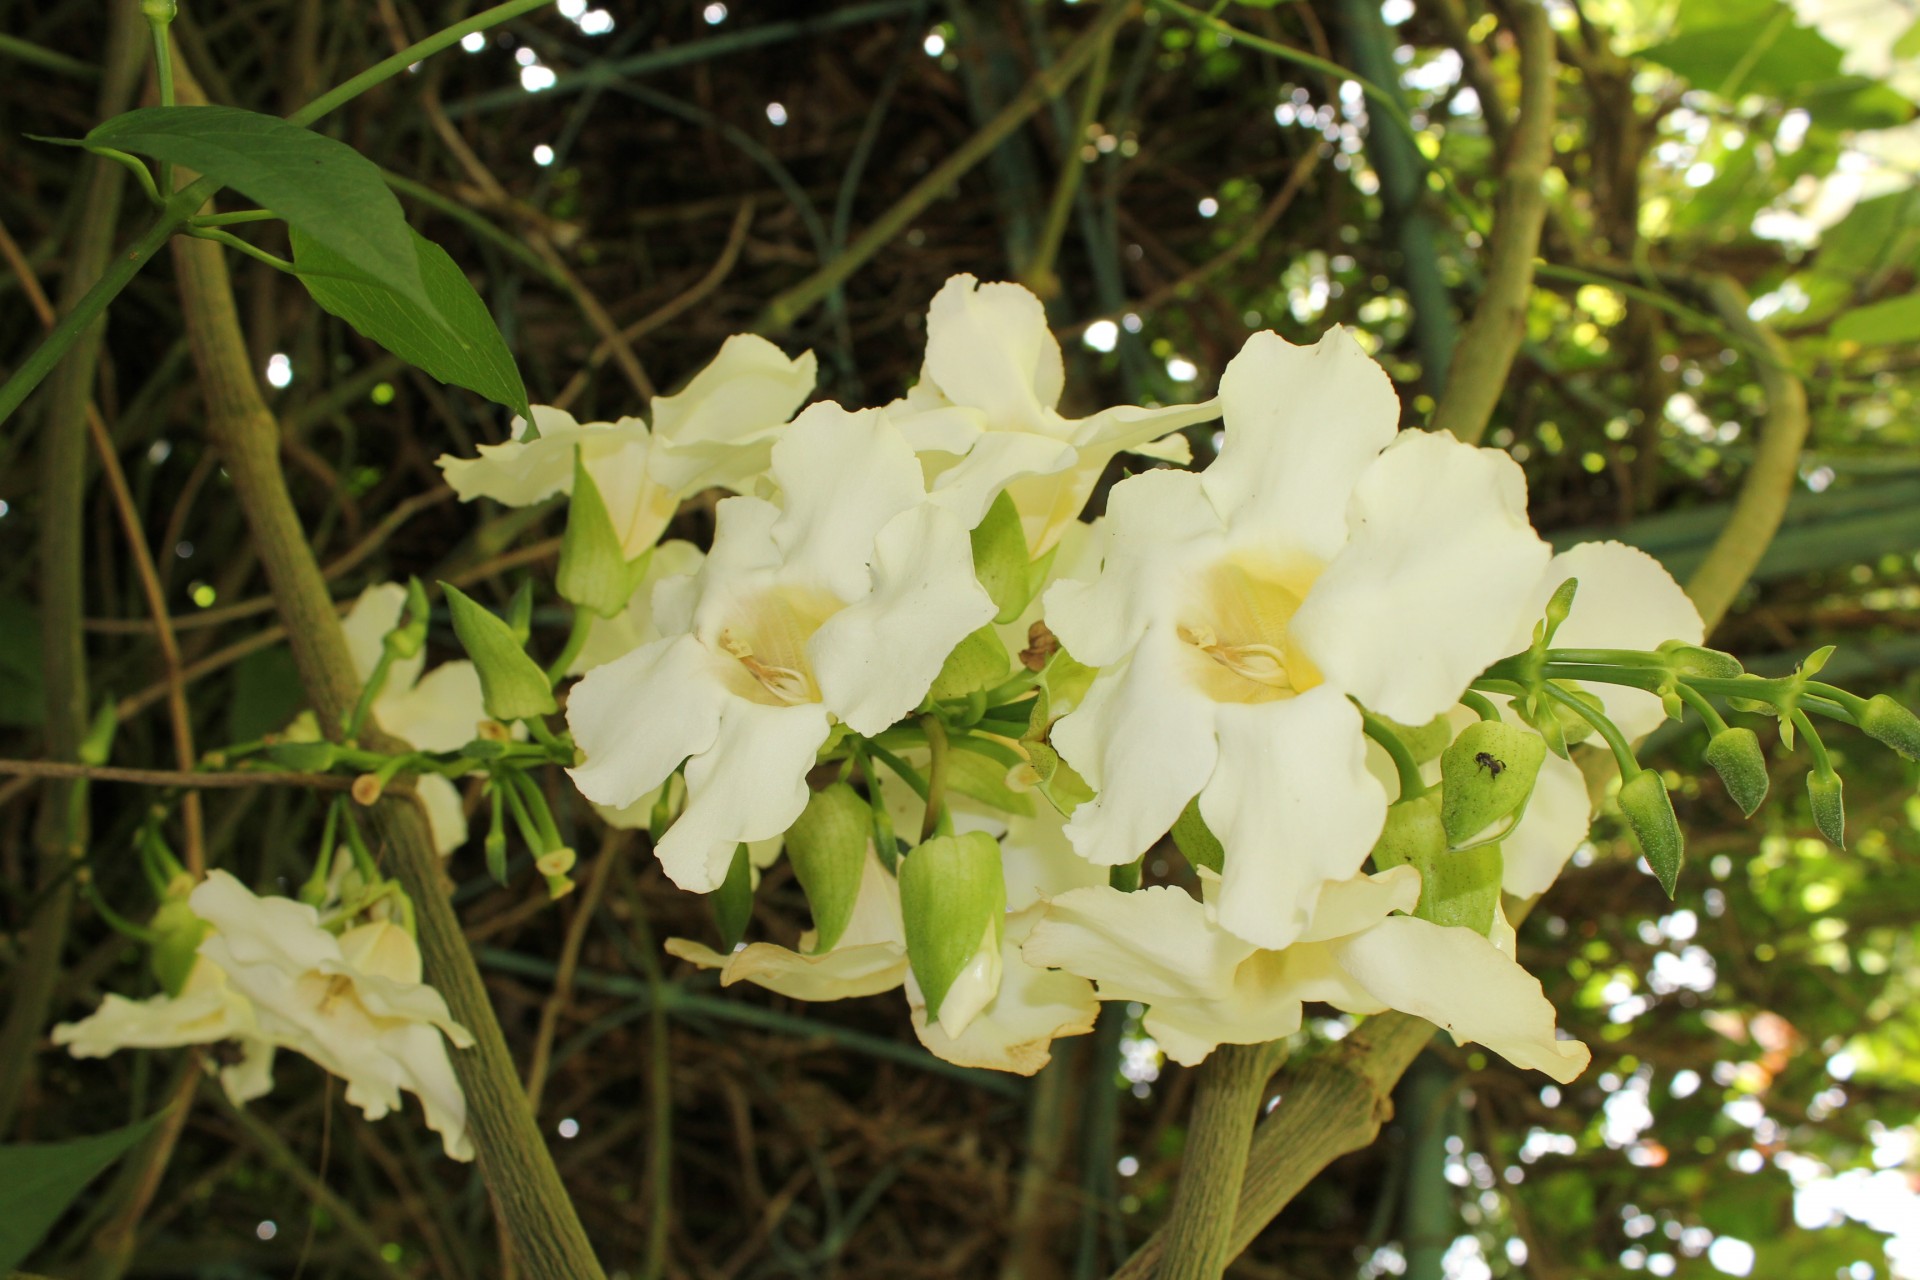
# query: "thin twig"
557 1000
205 781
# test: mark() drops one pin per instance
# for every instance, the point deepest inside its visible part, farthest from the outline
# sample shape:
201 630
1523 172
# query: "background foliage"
627 186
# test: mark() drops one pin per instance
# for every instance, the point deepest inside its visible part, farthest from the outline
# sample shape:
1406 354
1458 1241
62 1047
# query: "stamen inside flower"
768 640
1237 625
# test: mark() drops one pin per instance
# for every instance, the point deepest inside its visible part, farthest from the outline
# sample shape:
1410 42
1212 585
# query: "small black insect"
1491 763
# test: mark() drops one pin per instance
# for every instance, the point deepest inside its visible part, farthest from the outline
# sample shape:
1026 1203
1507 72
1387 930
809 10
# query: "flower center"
1236 625
768 640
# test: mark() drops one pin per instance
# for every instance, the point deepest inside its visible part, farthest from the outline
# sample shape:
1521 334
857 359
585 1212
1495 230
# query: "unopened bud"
304 757
1697 662
367 788
953 897
410 637
1887 721
512 685
733 900
1413 834
1829 809
97 747
556 862
1649 808
827 846
1736 756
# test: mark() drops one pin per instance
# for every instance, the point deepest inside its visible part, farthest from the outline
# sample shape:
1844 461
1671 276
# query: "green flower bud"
1456 887
1649 808
1426 741
1888 722
1413 835
1829 810
511 684
1487 776
594 573
520 613
952 895
1558 607
1695 662
1196 840
1736 756
496 842
828 848
304 757
408 638
733 900
97 747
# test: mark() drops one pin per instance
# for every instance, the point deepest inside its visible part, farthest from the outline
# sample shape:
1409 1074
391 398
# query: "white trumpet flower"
1240 612
716 433
984 416
839 604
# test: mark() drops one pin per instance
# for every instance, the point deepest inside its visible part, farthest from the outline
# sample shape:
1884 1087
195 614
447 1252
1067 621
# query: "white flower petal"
1158 527
1144 739
875 659
842 477
206 1010
626 631
1440 566
1038 861
1156 944
1558 817
520 472
845 973
749 390
1263 1004
1032 1008
996 461
440 713
446 813
252 1076
639 717
1294 807
1626 600
1348 906
374 614
1458 980
989 348
1302 425
749 784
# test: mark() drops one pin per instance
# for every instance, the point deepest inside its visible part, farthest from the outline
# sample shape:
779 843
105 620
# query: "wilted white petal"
1557 819
1032 1008
845 973
1626 600
1144 739
1292 802
1302 424
746 392
522 472
1153 945
876 658
1457 979
748 783
1427 593
206 1010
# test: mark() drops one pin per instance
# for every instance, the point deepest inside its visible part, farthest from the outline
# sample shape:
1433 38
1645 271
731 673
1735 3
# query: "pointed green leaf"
455 340
827 845
1000 559
733 900
976 664
952 892
1486 777
319 185
512 685
39 1181
594 572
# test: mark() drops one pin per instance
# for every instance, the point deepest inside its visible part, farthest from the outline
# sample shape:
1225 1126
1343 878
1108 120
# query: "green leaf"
512 684
953 897
733 900
828 848
38 1182
320 186
1879 324
1001 560
266 694
1196 840
976 664
455 340
1487 776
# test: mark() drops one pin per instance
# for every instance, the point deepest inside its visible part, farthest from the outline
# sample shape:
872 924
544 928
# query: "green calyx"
1458 887
1736 756
953 899
1649 809
827 846
511 684
1486 779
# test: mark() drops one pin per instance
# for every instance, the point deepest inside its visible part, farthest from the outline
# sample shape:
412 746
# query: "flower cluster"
1335 667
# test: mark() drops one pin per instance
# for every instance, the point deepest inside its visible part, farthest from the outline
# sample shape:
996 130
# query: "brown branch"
1492 337
204 780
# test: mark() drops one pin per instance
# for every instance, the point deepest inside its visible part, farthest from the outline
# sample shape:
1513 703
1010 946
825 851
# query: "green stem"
1226 1106
235 243
1822 762
936 776
1698 701
369 693
160 17
576 641
235 218
387 69
1480 705
1622 752
1411 783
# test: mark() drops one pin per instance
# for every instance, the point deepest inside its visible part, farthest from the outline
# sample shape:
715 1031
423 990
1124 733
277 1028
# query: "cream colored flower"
984 415
206 1011
716 433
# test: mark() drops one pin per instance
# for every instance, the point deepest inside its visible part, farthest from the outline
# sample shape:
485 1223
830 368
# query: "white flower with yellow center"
1204 986
841 603
439 710
715 433
206 1011
1240 612
984 416
355 1004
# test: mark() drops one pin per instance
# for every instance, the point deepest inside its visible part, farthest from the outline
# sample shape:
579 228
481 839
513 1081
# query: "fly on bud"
1649 808
1486 778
